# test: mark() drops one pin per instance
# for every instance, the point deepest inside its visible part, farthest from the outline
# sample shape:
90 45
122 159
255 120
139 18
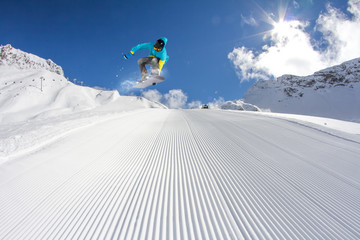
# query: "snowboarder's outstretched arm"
128 55
142 46
138 47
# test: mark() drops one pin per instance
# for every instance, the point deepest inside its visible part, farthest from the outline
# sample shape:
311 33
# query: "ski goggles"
157 49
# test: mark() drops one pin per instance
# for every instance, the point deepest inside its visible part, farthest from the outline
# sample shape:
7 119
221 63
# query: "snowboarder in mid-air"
157 58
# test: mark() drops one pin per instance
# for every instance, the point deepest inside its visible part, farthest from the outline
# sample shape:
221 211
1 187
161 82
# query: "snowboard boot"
144 77
155 73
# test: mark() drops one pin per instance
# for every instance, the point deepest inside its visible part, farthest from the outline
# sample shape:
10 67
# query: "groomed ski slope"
185 174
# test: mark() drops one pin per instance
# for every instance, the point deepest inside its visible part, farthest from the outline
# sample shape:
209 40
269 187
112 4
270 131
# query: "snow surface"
177 174
83 163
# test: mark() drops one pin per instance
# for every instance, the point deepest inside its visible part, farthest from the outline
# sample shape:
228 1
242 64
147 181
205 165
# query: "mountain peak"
11 56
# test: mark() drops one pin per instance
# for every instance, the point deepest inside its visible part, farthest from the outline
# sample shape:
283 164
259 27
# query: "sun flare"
280 27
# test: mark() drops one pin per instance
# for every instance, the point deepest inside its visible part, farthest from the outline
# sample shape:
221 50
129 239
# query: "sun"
280 28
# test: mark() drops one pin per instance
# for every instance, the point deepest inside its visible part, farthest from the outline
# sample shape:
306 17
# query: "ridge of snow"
28 93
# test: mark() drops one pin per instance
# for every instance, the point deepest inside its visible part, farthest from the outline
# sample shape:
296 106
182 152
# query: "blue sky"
217 48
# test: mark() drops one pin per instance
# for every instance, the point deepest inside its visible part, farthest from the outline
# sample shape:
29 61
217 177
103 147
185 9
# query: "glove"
128 55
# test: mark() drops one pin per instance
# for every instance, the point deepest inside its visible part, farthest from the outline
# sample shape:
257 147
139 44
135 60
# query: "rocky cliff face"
14 57
344 75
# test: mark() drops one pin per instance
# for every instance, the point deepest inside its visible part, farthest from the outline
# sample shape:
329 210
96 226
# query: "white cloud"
126 86
216 102
354 8
194 104
341 33
175 99
291 49
248 20
296 4
247 65
153 95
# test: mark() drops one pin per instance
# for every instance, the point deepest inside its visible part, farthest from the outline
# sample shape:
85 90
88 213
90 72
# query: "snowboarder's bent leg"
155 66
142 62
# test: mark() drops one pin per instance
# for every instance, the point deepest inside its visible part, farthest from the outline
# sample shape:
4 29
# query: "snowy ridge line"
185 174
320 129
323 131
333 126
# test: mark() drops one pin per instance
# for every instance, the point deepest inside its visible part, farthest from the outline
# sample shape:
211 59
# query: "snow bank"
320 123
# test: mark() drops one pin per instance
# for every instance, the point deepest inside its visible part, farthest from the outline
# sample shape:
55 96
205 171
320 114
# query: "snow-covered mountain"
32 87
14 57
238 105
333 92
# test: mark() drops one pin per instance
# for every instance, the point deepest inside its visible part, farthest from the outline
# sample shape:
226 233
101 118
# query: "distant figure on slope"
157 58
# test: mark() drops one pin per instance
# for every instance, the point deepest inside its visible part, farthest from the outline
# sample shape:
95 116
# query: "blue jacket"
162 55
